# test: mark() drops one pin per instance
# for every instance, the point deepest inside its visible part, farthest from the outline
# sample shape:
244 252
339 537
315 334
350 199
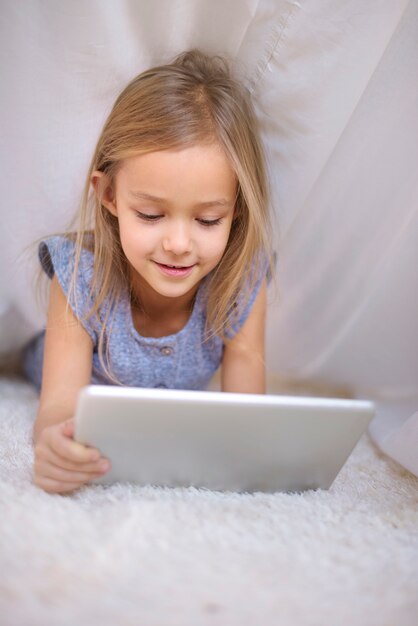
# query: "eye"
209 222
147 217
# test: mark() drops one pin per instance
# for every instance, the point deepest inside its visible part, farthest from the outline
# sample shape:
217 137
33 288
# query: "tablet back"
221 441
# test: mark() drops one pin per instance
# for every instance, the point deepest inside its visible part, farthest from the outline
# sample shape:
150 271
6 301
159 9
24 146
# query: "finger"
55 486
68 428
73 450
60 475
45 456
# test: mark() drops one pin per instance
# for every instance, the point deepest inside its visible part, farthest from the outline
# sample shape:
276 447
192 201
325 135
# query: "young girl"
164 280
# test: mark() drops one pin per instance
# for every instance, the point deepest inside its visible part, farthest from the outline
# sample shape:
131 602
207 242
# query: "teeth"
175 267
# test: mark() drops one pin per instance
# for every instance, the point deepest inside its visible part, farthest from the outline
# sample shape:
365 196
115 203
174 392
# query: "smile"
179 271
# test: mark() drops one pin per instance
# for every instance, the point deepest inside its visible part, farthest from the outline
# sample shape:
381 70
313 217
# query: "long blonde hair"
192 100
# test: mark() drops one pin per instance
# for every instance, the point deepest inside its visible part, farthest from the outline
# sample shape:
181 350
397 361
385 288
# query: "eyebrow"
140 195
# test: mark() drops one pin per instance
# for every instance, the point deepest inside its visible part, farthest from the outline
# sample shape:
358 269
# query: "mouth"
175 270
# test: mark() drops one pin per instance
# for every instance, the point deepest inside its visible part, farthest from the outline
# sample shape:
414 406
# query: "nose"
177 239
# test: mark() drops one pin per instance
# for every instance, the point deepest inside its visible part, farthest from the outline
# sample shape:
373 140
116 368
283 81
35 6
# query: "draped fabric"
336 88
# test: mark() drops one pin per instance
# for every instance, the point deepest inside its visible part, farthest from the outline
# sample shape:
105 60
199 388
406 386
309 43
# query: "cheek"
215 245
135 242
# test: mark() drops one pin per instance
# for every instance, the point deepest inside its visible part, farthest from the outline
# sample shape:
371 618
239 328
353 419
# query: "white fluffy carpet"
125 555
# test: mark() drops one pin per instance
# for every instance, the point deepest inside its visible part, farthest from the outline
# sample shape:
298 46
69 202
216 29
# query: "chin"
173 290
176 292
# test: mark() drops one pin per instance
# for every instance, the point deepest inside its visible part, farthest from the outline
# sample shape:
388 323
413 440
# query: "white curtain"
336 88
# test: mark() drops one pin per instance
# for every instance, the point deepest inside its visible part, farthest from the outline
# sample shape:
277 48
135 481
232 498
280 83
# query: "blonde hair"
192 100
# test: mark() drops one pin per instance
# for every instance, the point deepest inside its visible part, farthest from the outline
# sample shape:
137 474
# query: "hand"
62 464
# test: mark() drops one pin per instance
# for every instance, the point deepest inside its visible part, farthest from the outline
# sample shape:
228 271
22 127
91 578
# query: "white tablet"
219 441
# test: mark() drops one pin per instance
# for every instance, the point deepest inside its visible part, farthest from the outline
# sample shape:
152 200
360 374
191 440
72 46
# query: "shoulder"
59 252
253 289
57 255
74 273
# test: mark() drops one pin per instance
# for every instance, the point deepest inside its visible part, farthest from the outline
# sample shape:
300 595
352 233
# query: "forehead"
195 170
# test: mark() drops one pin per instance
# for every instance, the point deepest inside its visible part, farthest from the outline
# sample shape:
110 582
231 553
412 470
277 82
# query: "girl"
164 280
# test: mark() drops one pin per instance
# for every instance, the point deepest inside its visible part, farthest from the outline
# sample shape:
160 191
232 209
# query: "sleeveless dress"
184 360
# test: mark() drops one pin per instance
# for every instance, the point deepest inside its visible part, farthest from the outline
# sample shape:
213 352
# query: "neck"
158 307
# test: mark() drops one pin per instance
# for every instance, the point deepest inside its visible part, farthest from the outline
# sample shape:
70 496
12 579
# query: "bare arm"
67 362
61 464
243 365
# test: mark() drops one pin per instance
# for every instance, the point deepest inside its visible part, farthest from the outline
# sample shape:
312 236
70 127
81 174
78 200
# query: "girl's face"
175 210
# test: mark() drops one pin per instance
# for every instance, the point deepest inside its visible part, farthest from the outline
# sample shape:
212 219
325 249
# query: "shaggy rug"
125 555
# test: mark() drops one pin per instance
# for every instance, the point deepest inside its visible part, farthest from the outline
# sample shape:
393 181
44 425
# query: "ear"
102 185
